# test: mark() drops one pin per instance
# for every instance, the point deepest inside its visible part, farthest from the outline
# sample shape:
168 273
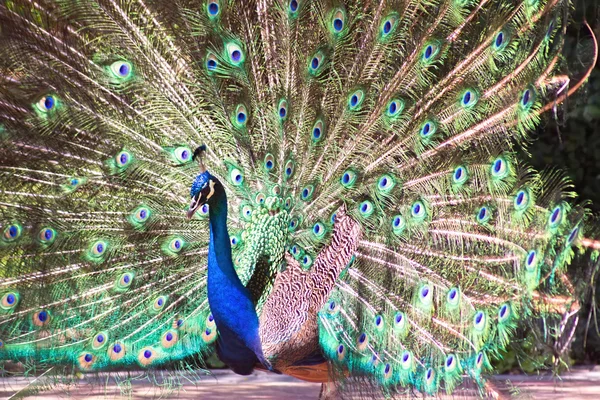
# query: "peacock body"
359 213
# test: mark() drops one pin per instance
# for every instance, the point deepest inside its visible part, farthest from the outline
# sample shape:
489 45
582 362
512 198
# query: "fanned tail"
405 114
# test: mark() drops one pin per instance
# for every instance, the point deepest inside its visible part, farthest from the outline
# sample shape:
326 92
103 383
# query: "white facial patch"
211 183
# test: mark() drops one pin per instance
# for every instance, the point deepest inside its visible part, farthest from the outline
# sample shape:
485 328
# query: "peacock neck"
230 302
220 244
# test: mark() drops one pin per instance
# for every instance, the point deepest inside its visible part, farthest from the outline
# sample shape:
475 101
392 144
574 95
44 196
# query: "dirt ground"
579 384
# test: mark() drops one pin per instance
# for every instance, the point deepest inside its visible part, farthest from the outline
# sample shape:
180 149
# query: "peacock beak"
195 205
190 214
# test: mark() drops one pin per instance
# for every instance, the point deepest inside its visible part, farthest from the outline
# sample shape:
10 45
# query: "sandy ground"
579 384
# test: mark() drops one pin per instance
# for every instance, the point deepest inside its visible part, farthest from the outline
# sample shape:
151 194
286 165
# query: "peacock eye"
418 210
236 176
499 168
213 9
398 224
146 356
240 116
479 320
159 303
460 175
123 159
319 230
295 250
430 52
276 190
169 339
338 21
469 99
12 232
400 325
288 203
426 295
260 198
9 301
399 318
356 99
269 162
527 98
306 261
47 236
500 40
388 25
246 212
307 192
522 200
429 376
395 108
504 312
235 241
375 358
116 351
121 70
47 104
406 360
348 178
124 281
333 217
289 169
332 307
362 341
531 260
316 63
366 208
183 154
176 245
100 340
479 361
385 184
140 215
453 297
282 109
483 215
451 363
293 224
41 318
98 248
573 236
428 129
235 53
211 62
387 370
556 217
293 6
318 131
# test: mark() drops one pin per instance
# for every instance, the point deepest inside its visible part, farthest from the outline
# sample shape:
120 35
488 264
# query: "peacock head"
205 188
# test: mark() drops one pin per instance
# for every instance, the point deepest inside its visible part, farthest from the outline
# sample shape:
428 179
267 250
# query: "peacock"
328 189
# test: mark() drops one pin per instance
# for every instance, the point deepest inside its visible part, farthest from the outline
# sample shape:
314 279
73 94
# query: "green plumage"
373 141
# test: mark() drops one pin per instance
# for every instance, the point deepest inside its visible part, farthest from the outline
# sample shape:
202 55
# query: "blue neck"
230 302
